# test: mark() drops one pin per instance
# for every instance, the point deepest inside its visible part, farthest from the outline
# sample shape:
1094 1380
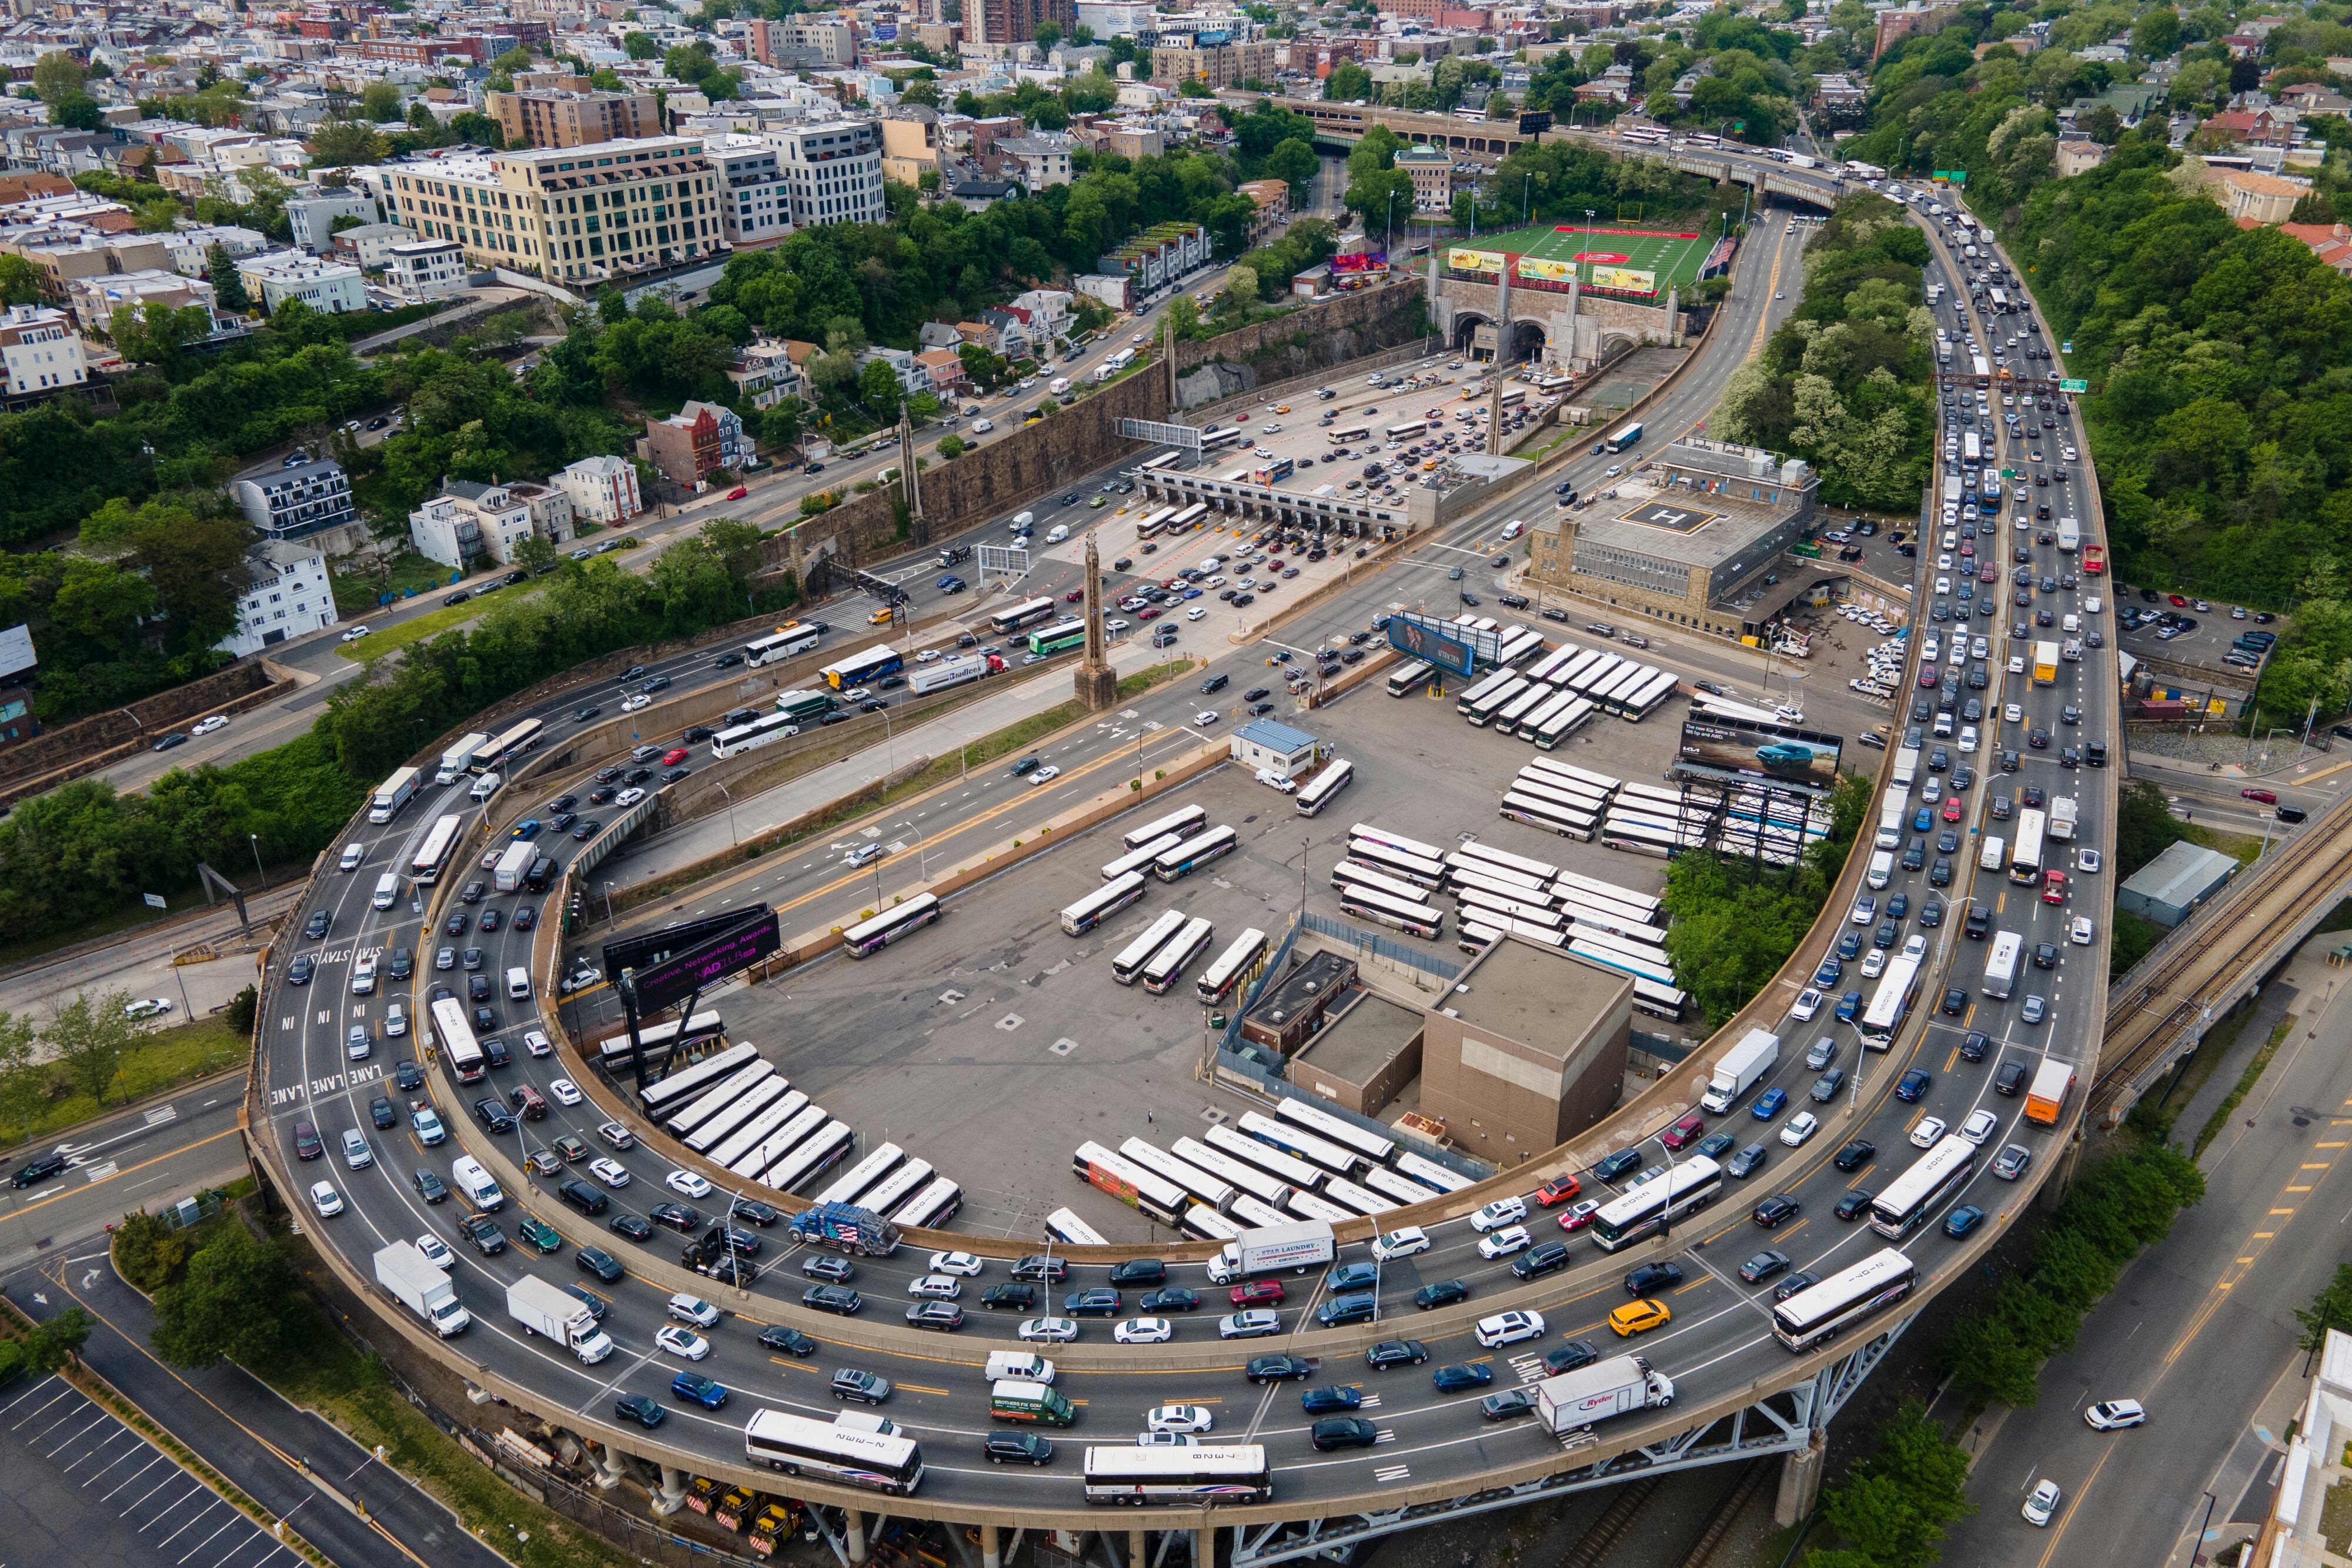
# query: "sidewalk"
2242 1488
255 1439
935 737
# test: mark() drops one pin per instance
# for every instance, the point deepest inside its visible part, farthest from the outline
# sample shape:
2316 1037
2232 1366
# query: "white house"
40 351
425 268
331 287
603 489
290 597
468 521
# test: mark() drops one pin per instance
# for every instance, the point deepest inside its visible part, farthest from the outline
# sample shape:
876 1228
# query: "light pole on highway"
180 975
257 859
731 839
608 903
922 847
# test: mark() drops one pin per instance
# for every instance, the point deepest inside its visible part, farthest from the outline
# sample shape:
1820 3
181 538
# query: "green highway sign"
2074 386
1953 176
2066 347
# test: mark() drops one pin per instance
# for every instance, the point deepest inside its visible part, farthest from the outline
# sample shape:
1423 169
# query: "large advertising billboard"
1631 279
1551 271
673 980
1360 261
1462 260
1420 639
1737 748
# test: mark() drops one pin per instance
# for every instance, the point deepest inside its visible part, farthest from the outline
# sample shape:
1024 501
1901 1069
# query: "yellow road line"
142 1165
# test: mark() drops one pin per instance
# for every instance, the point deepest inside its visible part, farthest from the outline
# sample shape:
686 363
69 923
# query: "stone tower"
918 530
1096 684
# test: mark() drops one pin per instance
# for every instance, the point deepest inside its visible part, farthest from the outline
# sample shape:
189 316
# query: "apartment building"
570 214
1214 65
910 144
997 21
331 287
307 499
803 41
39 351
425 268
468 522
834 171
601 489
756 203
564 117
289 596
311 219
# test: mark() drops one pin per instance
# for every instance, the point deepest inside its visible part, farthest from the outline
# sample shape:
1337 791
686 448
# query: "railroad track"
2275 899
1593 1547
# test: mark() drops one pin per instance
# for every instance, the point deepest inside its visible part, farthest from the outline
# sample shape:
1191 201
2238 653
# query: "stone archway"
1525 340
1465 327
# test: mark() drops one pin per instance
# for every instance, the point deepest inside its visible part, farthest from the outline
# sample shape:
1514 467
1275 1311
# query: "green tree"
228 288
951 447
240 1300
379 101
87 1040
1347 83
1046 34
80 112
57 77
878 391
2330 1308
536 554
641 46
148 1252
2157 33
734 545
56 1343
19 283
1294 163
23 1083
158 334
342 142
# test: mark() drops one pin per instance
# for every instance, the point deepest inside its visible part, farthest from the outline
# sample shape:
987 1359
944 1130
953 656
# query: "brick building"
555 117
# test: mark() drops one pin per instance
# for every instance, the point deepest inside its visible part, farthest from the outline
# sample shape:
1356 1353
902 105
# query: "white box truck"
1574 1401
392 795
1890 817
1741 1066
541 1309
1271 1247
507 875
926 678
454 760
2064 810
1906 767
423 1289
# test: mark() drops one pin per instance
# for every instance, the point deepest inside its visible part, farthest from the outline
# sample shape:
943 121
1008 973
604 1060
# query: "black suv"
1649 1276
37 1170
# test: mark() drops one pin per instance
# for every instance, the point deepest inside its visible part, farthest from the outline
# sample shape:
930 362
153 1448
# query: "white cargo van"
474 1181
484 787
1991 859
1881 868
517 984
1057 534
387 890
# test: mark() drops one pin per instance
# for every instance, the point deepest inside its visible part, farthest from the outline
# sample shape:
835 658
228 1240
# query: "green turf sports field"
1602 254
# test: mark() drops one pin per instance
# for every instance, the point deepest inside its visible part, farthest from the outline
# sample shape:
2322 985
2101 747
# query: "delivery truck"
2064 810
454 760
926 678
2045 664
1906 767
1574 1401
2046 1099
392 795
1890 817
1262 1250
541 1309
423 1289
845 1228
1741 1066
513 863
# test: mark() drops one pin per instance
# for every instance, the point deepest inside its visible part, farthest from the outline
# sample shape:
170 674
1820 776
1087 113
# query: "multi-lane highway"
1431 1443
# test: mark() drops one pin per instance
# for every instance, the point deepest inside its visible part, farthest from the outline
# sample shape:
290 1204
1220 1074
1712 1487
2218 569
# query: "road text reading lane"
334 1084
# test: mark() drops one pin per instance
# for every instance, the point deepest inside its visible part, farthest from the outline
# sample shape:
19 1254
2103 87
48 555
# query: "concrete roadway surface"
96 1469
139 961
1713 1346
140 1158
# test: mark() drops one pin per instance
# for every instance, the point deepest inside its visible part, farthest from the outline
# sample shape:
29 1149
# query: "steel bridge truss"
1781 1422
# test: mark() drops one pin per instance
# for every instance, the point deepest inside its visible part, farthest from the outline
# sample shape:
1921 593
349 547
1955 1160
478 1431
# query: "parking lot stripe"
152 1460
234 1518
193 1519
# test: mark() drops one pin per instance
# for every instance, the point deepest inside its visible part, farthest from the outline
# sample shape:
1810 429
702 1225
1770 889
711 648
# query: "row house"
469 522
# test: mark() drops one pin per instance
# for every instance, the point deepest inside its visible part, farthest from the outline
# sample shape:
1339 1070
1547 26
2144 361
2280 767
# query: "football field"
1610 258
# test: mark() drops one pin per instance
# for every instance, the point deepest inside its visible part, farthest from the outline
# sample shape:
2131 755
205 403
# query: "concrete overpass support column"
1136 1549
854 1536
672 1495
2054 1191
1801 1481
992 1555
1204 1547
610 1472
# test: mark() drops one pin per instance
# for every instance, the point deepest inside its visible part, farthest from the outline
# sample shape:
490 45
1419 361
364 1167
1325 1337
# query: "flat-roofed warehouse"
1527 1050
1689 539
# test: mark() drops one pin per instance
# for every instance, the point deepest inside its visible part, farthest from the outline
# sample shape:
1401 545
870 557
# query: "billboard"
638 952
1797 757
1420 639
1631 279
747 941
1551 271
1462 260
1535 121
1360 261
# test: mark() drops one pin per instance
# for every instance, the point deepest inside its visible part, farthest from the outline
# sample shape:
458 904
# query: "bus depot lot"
996 1039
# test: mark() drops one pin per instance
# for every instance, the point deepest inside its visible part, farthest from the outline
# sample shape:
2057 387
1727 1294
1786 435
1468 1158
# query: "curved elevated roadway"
1739 1392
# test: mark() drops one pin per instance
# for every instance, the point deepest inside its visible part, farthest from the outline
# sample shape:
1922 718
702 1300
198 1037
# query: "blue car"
1849 1006
1833 968
526 829
1912 1085
1849 946
1770 1103
1898 906
1469 1374
1925 821
701 1389
1332 1399
1962 1221
1353 1277
1191 593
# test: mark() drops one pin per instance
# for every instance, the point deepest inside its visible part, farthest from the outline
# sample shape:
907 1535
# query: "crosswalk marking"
1388 1473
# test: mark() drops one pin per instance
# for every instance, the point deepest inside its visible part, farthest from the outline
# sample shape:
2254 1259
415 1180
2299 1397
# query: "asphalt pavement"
142 1158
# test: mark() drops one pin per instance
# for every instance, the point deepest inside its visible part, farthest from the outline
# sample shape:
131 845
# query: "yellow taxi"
1640 1317
1282 408
880 617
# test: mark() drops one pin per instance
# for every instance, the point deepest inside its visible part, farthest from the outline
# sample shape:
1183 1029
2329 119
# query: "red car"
1685 1130
674 756
738 493
2054 887
1951 808
1147 614
1258 1293
1580 1214
1557 1190
2177 603
1073 596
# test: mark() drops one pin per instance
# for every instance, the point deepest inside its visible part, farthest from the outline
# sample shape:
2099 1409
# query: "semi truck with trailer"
845 1228
541 1309
928 678
392 795
423 1289
1741 1066
1262 1250
1575 1401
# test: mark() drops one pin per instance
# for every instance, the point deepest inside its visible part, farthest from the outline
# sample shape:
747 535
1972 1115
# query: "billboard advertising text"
1800 758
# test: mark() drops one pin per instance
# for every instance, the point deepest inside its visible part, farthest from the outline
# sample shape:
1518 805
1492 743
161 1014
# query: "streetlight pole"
608 903
257 859
922 847
731 838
